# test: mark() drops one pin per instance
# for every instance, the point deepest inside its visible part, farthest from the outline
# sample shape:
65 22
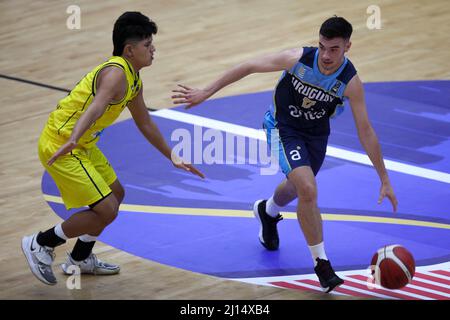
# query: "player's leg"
82 254
92 221
80 185
284 194
286 191
268 211
38 248
118 190
308 213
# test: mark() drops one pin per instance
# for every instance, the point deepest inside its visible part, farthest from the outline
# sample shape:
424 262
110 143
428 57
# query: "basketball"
393 266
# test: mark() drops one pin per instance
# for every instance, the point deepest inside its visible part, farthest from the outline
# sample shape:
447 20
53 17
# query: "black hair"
336 27
131 25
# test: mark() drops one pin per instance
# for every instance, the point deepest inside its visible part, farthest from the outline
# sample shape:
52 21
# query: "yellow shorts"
83 176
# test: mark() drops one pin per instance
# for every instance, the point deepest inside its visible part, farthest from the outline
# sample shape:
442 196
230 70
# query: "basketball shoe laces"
92 263
45 255
272 225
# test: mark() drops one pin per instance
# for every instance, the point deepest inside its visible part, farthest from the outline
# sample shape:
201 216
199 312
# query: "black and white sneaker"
268 233
327 277
39 258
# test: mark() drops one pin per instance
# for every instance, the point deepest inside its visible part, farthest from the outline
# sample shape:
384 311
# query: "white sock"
318 251
59 232
272 208
87 238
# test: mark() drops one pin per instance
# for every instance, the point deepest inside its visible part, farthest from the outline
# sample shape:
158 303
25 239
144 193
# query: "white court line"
331 151
400 291
366 292
436 275
438 284
261 281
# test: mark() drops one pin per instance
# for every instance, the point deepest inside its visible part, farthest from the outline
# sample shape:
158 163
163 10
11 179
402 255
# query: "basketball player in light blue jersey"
312 88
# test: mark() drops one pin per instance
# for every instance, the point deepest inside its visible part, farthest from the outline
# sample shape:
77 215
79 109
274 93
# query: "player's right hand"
65 148
387 191
189 96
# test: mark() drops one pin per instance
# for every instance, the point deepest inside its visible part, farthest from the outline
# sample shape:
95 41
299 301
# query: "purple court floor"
206 226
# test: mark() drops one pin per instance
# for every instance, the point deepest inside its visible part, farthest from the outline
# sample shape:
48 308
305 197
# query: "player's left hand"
387 191
190 168
180 164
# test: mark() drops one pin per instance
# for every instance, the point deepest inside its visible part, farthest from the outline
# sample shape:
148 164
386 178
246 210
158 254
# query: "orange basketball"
393 266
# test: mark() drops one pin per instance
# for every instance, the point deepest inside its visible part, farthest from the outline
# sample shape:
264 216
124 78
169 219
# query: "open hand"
180 164
189 96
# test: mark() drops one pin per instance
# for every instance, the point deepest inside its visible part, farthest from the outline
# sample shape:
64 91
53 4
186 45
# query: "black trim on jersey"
86 101
308 56
130 68
94 81
87 173
66 121
98 201
347 73
93 138
135 74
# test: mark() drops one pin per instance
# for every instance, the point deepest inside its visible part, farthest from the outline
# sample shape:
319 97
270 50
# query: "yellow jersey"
61 121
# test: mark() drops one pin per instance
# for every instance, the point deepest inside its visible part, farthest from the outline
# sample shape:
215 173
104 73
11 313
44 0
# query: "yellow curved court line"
249 214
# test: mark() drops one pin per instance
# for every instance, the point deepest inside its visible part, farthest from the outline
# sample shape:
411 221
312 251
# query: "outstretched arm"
368 137
151 132
274 62
108 89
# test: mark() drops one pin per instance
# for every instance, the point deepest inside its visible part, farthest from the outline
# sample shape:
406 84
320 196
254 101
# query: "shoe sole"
329 289
31 264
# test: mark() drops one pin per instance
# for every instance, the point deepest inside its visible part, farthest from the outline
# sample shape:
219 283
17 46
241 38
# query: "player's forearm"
154 136
234 74
85 122
369 141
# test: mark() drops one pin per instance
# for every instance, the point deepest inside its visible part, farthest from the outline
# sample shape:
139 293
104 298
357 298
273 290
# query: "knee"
108 211
307 193
292 191
119 193
108 219
112 212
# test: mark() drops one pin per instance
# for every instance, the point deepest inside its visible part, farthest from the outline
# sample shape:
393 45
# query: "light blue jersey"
305 99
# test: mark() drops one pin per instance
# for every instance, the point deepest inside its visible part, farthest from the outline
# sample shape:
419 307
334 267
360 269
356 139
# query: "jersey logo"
301 71
311 92
336 87
311 114
98 133
307 103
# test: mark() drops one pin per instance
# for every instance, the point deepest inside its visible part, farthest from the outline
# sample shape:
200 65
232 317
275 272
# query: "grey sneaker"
40 259
92 265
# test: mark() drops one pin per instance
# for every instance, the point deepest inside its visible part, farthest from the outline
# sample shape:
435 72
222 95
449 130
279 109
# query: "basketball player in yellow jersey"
68 151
